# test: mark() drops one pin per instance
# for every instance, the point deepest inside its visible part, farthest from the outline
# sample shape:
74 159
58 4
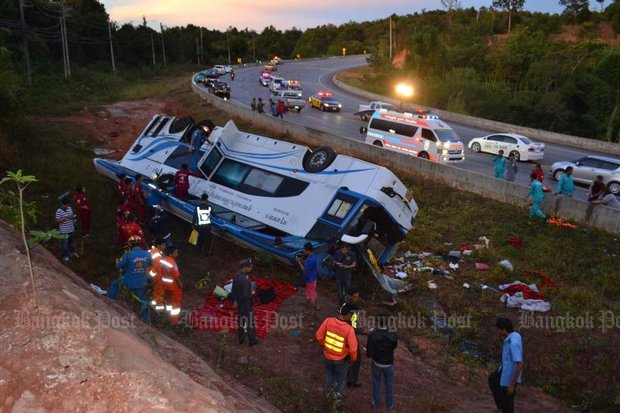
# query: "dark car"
220 89
209 78
325 101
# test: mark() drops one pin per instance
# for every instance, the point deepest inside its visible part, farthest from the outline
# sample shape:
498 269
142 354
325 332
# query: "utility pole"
197 51
163 47
65 42
228 45
25 39
153 48
390 38
201 46
111 46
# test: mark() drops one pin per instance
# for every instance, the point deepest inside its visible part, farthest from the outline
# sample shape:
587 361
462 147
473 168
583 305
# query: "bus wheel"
378 143
423 155
318 160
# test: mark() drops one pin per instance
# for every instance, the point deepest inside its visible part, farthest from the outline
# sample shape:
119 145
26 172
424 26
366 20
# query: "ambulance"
421 134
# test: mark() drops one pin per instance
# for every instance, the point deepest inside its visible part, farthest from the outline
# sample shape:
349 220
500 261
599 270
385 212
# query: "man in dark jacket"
380 347
202 223
243 297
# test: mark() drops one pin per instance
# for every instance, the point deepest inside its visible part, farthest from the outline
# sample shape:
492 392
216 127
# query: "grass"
578 366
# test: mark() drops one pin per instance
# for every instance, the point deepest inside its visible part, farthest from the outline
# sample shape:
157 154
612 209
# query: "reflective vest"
169 270
338 339
156 255
203 216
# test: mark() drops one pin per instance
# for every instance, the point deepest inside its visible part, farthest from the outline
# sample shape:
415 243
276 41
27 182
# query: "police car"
265 78
520 146
325 101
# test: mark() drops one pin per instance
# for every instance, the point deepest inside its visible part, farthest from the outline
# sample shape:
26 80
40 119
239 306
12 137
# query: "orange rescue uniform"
338 339
155 276
170 279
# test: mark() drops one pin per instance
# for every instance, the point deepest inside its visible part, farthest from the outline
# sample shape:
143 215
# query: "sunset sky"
257 14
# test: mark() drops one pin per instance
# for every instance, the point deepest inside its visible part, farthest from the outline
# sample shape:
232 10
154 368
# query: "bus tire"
364 117
165 181
378 143
423 155
318 160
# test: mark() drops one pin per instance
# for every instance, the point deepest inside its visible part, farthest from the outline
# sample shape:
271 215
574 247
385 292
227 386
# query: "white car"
512 144
219 69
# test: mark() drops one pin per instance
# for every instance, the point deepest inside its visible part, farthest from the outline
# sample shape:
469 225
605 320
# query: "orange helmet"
134 240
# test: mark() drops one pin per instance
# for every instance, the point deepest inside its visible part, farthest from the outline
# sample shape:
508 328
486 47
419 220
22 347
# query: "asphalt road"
317 75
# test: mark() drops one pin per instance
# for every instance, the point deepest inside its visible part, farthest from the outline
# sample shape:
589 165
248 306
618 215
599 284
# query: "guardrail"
404 165
535 134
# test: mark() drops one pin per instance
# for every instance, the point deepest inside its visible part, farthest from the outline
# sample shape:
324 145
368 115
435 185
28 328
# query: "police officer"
351 301
243 297
202 223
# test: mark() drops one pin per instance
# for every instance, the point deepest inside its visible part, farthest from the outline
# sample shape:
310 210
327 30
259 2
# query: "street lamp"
405 91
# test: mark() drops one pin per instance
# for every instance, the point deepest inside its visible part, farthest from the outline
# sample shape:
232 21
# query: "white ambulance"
421 134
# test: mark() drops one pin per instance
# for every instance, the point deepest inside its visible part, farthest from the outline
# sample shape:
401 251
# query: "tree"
451 5
510 5
574 7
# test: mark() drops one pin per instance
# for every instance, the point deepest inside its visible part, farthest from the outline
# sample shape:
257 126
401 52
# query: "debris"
454 265
465 285
482 266
485 240
102 152
431 285
98 289
294 333
560 222
455 254
467 252
412 347
507 265
401 274
515 242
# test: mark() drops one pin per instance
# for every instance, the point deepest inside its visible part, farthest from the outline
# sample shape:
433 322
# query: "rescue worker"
122 190
198 138
260 106
339 346
243 296
536 191
181 181
82 206
202 223
352 299
157 253
137 200
134 265
500 165
130 229
158 225
566 186
171 282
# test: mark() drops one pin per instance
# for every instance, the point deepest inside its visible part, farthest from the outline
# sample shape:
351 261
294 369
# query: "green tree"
510 5
575 7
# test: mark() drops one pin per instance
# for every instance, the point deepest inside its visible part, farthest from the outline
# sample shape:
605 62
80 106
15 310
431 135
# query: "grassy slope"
578 365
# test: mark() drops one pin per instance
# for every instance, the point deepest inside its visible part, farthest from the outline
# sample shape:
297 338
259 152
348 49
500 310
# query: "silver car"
588 167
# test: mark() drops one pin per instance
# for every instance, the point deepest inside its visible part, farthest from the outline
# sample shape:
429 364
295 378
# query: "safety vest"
204 216
354 315
336 345
169 270
156 255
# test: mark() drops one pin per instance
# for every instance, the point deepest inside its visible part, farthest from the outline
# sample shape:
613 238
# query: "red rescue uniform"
131 229
82 204
137 202
181 181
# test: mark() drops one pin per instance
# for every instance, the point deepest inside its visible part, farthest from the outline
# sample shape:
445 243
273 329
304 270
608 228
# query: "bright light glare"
404 90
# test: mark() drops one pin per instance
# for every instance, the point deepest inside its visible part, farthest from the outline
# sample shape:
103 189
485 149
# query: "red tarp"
222 315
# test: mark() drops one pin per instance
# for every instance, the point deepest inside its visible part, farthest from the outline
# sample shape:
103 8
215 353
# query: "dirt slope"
78 352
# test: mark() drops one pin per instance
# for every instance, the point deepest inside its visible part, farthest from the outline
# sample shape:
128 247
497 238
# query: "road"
317 75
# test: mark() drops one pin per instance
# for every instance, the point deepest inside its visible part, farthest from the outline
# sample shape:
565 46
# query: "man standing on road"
566 186
536 191
243 296
344 261
511 168
500 164
504 381
380 347
339 344
64 219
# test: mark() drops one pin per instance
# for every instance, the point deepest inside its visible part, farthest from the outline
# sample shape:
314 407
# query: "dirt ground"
286 369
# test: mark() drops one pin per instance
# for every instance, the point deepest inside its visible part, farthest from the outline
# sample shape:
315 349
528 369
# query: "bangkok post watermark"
272 320
99 320
604 320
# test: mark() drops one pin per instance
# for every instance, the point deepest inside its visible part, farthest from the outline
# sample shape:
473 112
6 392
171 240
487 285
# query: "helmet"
134 240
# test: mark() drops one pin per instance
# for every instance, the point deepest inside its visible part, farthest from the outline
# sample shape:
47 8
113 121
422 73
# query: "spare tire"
318 160
181 124
165 181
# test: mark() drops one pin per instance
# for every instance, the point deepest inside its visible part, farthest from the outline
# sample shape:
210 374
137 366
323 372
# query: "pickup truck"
291 99
366 111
